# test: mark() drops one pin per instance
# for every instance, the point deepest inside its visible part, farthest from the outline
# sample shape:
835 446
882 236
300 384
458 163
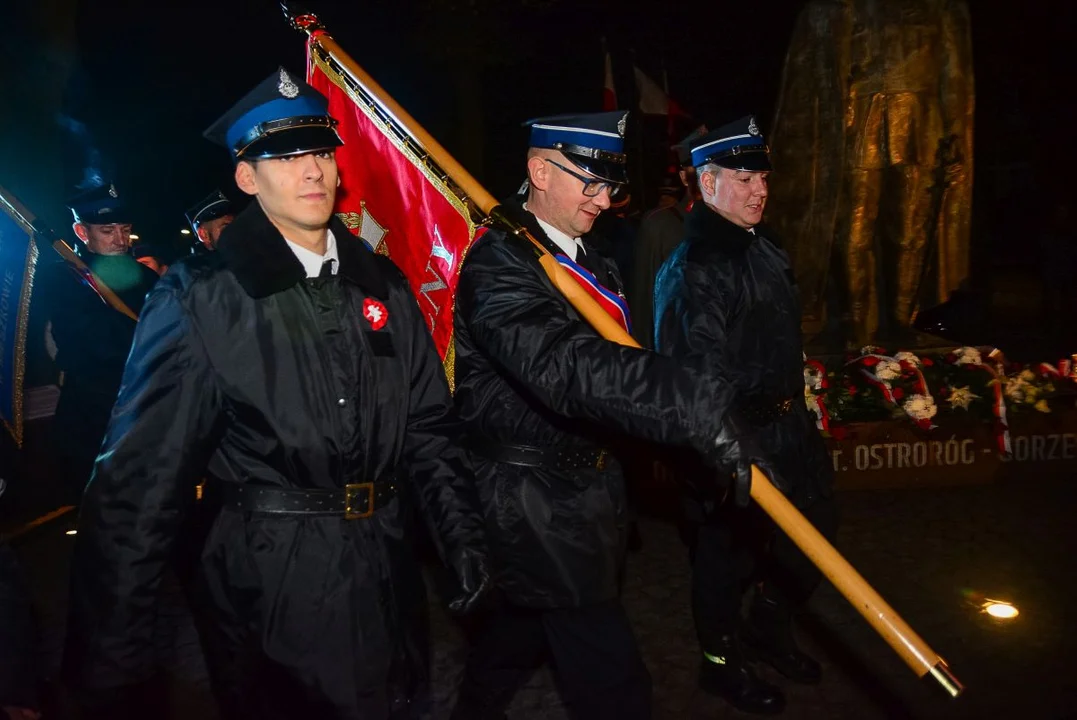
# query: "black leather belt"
354 501
764 411
554 458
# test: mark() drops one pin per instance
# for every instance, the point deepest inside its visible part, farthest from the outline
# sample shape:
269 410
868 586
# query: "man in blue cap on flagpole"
547 402
293 371
725 301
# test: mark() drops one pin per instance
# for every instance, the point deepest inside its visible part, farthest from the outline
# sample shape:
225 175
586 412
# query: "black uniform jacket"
530 371
244 371
726 299
18 644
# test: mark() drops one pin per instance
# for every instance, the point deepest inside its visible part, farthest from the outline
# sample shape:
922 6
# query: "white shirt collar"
567 245
312 261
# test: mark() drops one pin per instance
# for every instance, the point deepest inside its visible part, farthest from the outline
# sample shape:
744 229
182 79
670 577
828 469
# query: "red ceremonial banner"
390 199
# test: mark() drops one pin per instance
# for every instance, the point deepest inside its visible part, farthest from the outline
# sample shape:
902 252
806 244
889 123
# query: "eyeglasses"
591 187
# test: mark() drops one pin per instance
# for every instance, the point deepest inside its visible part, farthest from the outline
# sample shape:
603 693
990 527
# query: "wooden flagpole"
104 291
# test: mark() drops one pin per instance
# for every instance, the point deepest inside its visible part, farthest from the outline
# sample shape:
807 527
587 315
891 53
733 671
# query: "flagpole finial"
299 17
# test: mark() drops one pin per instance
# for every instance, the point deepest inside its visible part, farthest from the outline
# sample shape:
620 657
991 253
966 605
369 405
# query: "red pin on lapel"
375 313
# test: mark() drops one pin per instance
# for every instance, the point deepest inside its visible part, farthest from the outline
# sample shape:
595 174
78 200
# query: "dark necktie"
327 269
593 264
583 259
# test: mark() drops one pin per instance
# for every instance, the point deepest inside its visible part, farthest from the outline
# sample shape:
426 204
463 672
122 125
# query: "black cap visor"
609 170
291 141
119 216
750 161
216 213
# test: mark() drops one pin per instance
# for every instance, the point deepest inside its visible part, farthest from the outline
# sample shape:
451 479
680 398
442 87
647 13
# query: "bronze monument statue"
872 151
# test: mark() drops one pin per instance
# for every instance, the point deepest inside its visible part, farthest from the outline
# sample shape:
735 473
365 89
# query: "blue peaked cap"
281 116
738 146
594 142
99 206
599 131
213 206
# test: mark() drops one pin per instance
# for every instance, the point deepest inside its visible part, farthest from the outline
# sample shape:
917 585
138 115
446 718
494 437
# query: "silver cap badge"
286 87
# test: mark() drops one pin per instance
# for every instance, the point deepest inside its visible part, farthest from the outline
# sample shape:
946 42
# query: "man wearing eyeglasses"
545 398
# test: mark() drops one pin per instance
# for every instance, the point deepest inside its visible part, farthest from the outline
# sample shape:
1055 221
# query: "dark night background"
146 80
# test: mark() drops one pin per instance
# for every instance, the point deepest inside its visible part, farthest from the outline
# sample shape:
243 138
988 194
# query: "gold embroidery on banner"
338 77
22 320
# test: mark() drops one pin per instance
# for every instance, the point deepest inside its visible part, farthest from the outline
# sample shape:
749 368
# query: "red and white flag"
653 99
392 201
609 91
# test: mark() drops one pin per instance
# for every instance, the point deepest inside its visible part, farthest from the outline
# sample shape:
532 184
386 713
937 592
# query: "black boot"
725 673
768 637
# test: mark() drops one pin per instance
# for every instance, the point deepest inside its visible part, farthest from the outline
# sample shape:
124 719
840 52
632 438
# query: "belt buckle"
352 492
600 464
785 405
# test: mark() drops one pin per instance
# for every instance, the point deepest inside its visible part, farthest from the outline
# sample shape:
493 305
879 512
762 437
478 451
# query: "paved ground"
922 549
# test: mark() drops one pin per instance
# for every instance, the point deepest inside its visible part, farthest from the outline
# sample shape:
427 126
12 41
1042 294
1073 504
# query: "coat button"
342 402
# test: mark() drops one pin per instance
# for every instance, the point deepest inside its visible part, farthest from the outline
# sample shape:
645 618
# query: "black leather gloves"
472 571
736 448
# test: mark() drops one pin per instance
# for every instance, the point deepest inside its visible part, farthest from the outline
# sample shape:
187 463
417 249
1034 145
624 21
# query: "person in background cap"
670 191
544 396
725 300
102 220
92 338
208 220
660 232
293 370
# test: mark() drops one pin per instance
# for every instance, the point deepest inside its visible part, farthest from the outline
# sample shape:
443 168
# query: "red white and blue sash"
611 302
